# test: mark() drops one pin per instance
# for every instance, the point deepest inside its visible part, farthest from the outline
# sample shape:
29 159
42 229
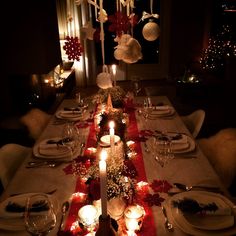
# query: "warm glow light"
134 215
141 184
113 67
88 215
103 155
112 124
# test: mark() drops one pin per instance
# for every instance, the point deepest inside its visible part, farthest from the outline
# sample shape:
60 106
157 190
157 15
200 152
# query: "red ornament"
153 199
120 23
73 48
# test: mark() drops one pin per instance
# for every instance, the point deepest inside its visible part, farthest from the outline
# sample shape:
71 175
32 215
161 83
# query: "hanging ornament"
88 31
128 49
73 48
120 23
151 31
104 79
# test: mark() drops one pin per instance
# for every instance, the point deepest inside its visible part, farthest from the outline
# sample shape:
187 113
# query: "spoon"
188 188
64 209
81 148
168 225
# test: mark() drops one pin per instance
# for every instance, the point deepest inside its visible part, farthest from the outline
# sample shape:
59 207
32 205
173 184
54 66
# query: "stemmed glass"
40 217
70 136
163 150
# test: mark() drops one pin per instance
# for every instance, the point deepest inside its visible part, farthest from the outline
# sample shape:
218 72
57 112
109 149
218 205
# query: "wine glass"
70 136
40 217
163 153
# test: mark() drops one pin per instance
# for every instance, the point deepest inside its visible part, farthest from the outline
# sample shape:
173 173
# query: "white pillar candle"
113 68
103 182
112 135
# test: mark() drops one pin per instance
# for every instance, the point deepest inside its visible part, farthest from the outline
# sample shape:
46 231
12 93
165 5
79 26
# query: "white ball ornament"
151 31
104 80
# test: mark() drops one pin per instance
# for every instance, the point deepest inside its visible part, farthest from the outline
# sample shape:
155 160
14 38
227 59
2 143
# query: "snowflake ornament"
73 48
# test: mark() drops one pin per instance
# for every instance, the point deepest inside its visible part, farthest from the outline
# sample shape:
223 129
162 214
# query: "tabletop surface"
190 171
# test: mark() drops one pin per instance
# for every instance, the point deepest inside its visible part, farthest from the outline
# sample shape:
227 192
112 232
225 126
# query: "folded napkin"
192 206
52 149
179 139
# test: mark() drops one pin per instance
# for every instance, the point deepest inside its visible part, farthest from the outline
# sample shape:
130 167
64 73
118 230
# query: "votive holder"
88 217
134 215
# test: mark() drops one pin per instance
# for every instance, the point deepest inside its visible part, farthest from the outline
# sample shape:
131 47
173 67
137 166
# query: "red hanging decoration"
120 23
73 48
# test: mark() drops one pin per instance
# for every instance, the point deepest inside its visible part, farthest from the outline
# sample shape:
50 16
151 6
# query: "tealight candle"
103 182
134 217
88 215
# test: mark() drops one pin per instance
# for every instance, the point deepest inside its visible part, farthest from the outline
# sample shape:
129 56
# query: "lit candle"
112 135
113 68
103 182
134 217
88 215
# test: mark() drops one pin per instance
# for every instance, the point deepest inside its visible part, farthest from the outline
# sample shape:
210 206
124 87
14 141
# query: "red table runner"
77 202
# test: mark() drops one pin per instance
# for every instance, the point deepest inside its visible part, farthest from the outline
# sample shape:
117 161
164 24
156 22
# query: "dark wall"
190 24
30 46
32 40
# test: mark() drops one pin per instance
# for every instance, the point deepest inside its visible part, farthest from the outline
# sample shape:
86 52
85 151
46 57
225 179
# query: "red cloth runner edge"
148 227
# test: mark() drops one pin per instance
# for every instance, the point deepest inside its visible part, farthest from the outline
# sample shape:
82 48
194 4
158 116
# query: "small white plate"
105 140
205 225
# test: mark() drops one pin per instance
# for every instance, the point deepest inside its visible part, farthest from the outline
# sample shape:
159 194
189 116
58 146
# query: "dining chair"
12 156
35 120
220 149
194 121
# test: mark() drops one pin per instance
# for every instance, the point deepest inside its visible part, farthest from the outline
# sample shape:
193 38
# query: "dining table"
190 168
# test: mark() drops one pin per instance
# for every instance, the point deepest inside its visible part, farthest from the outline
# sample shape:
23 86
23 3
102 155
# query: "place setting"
36 212
58 149
160 110
202 213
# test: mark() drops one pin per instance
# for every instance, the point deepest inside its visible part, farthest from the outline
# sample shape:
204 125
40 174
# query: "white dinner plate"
60 153
188 145
204 225
69 115
14 221
161 111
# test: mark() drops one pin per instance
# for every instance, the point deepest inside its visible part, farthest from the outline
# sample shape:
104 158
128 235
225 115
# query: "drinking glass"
163 153
70 136
40 217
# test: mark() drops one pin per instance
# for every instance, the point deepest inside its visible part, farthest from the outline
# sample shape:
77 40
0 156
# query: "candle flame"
112 124
113 67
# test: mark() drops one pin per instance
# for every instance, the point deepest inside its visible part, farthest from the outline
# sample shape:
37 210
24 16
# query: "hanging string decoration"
151 30
73 48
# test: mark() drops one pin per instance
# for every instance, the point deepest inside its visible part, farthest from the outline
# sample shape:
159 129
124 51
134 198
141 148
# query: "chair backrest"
194 121
35 120
11 157
220 149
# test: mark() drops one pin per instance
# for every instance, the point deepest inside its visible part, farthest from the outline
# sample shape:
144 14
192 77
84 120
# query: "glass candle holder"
88 217
134 215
